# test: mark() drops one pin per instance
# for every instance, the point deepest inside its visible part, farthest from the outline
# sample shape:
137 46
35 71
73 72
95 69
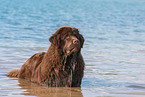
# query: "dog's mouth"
73 50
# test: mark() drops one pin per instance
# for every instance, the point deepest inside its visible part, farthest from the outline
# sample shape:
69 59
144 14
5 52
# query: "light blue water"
114 49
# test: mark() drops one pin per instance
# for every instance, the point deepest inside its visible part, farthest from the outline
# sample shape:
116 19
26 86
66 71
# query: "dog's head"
67 40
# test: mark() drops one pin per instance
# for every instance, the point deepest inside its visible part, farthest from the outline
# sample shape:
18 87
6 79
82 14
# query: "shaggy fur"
61 66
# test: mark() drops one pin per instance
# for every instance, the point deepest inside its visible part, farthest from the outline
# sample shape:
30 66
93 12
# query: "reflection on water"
21 88
39 91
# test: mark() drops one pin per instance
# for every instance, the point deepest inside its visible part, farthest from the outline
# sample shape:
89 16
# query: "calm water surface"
114 49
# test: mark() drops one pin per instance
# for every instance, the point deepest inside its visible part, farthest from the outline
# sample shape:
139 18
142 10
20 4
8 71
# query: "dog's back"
28 68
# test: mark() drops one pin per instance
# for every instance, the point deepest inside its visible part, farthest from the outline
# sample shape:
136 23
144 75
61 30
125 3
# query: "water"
114 49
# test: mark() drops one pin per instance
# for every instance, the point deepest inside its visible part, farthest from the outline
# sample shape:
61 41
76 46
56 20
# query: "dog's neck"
69 61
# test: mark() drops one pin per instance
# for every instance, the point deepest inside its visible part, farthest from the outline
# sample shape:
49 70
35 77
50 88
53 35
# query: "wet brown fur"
54 68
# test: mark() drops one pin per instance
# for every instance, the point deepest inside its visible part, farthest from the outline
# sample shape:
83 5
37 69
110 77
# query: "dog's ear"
82 40
52 39
55 39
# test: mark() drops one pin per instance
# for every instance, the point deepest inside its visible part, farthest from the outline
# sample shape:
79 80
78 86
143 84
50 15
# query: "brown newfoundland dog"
61 66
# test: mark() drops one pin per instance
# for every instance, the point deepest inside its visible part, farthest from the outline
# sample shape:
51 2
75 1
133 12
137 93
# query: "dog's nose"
75 41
